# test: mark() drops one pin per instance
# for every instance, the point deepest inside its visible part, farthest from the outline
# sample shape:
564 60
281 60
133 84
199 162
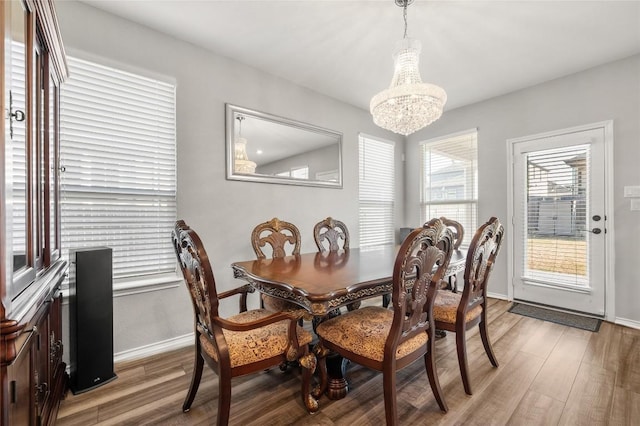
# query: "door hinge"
12 392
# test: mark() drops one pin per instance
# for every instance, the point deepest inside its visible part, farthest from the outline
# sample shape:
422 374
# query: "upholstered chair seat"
446 305
248 347
365 331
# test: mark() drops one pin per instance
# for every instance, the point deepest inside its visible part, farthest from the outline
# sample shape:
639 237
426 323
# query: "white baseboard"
497 296
154 348
628 323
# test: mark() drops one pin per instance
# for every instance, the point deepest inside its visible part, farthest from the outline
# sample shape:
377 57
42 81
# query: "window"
296 172
376 195
118 152
555 206
450 180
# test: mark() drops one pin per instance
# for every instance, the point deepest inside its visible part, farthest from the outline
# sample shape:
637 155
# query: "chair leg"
484 335
432 374
389 386
308 363
321 354
461 346
224 397
198 363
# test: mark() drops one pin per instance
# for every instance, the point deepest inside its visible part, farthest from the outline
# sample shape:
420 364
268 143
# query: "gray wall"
607 92
223 212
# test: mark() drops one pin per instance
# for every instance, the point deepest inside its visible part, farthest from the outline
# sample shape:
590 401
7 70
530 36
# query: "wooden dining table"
322 283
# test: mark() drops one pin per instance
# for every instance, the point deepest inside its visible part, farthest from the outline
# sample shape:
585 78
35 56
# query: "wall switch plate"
635 204
631 191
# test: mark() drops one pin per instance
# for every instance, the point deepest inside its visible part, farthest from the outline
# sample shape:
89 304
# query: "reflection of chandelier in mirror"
241 162
408 104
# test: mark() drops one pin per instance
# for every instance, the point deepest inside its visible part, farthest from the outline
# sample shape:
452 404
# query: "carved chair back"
197 273
388 340
481 256
331 231
278 234
458 231
420 265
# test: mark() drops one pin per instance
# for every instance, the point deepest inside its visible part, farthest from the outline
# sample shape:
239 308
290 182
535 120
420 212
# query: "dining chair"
330 232
249 342
282 238
388 340
331 235
459 312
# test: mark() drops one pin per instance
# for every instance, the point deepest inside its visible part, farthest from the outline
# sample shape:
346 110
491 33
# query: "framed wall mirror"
266 148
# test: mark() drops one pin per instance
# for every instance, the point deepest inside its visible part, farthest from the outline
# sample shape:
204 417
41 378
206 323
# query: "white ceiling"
475 50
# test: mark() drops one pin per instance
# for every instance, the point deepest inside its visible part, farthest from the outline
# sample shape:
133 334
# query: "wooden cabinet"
32 374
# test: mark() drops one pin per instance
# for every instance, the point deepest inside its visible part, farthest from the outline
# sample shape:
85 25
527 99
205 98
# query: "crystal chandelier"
241 162
408 104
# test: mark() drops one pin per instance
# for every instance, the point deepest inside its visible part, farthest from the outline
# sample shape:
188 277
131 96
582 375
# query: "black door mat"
562 318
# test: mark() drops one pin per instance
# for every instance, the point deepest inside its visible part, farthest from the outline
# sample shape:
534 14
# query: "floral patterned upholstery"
445 307
364 332
246 347
275 304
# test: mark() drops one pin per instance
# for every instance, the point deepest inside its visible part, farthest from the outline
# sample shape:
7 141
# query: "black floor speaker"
90 318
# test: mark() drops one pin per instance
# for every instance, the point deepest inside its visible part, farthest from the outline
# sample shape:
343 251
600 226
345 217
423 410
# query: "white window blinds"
556 202
118 153
376 194
17 158
450 180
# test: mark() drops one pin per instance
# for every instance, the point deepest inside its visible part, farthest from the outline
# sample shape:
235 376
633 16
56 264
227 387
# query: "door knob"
596 217
596 230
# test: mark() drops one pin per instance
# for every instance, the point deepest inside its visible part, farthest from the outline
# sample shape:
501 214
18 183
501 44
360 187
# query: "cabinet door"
53 168
55 337
41 356
40 148
17 149
19 375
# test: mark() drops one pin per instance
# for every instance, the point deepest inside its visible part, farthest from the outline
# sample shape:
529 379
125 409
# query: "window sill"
144 285
141 285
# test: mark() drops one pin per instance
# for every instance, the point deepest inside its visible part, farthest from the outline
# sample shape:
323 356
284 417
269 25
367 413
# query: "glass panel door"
559 220
16 146
556 200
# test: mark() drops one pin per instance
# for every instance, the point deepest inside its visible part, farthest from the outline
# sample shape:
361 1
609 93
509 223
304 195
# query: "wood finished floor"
549 375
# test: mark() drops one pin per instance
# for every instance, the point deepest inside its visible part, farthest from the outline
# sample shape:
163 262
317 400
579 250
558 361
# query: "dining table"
323 282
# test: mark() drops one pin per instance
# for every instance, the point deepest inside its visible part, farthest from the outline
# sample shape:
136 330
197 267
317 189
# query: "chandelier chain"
403 4
404 15
239 118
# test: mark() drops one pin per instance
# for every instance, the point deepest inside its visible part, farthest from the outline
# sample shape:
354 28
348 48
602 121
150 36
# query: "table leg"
336 367
336 383
386 299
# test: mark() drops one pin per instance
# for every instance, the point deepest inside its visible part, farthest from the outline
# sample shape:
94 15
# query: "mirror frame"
232 110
